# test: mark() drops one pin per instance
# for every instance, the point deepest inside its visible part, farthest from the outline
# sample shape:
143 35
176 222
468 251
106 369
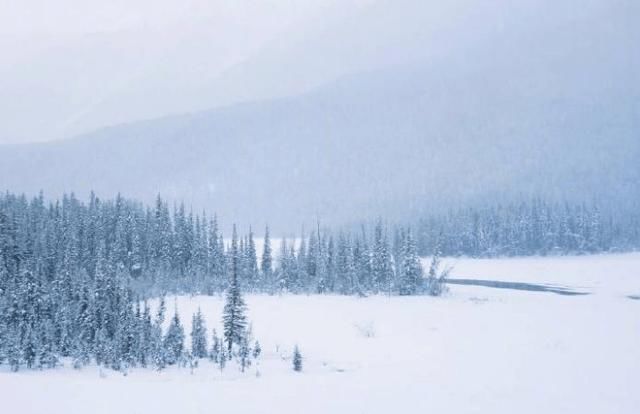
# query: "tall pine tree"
233 318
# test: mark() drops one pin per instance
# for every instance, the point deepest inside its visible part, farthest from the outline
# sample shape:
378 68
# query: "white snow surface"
476 350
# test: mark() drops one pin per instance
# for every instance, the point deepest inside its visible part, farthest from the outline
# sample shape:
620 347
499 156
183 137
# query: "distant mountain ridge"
552 111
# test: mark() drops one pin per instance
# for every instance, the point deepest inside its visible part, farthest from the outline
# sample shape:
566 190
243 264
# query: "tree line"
75 279
158 250
47 315
535 227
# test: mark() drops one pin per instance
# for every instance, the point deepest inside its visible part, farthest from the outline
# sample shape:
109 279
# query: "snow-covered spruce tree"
158 353
266 263
216 259
47 357
381 265
399 238
145 332
362 263
318 261
344 268
174 341
346 275
311 264
222 359
198 336
257 350
283 273
162 311
432 275
244 355
126 338
411 272
297 359
233 318
301 264
216 347
295 283
330 264
242 268
436 279
251 263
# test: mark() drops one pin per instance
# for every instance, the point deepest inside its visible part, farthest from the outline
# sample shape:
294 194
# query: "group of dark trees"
54 305
155 250
536 227
75 279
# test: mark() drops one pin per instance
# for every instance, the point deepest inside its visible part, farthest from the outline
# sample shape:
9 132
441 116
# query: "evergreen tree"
234 320
311 265
411 269
222 359
345 271
266 263
253 273
297 359
435 278
216 347
145 330
283 274
381 266
244 353
257 350
162 309
174 341
198 336
303 281
216 266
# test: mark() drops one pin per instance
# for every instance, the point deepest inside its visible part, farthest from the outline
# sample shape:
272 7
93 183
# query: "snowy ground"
477 350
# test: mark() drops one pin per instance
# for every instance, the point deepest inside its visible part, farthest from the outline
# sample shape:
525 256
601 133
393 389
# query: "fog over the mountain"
71 66
393 108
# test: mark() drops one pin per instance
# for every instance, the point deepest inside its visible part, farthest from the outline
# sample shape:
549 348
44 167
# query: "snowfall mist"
387 108
319 206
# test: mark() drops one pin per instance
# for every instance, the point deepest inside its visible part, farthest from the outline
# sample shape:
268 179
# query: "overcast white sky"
86 16
72 66
69 66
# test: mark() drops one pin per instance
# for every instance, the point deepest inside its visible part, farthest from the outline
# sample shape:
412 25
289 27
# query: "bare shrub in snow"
436 278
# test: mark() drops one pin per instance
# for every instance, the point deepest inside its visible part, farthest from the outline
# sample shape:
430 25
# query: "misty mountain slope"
64 73
399 32
100 70
552 112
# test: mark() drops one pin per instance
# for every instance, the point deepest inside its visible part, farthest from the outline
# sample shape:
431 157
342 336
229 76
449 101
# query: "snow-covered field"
477 350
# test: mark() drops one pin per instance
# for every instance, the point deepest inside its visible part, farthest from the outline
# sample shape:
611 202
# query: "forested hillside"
536 227
507 113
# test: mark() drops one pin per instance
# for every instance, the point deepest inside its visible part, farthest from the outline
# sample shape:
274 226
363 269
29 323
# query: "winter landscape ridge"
320 206
400 108
475 350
